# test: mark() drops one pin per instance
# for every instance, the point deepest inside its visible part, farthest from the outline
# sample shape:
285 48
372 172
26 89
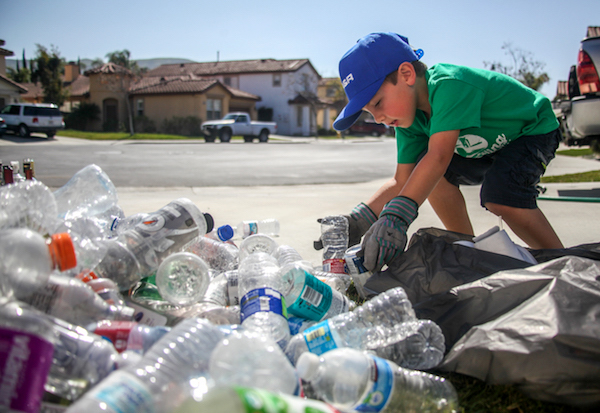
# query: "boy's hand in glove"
359 221
386 238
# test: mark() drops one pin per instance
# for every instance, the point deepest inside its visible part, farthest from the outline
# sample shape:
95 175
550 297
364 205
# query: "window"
140 107
227 80
276 79
213 109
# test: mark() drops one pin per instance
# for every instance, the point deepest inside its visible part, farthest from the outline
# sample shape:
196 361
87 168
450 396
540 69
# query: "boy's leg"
449 204
530 225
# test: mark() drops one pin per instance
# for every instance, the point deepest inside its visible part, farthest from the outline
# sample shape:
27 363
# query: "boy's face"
394 104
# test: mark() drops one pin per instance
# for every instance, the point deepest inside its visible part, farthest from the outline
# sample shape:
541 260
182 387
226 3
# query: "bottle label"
335 265
44 298
262 401
314 300
320 338
262 300
25 360
382 379
250 228
124 393
117 332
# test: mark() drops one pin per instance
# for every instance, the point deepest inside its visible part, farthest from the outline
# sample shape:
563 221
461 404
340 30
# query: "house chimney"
71 72
217 56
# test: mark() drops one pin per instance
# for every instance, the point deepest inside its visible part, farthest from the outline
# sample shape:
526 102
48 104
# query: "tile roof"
22 88
229 67
34 91
4 52
80 86
181 84
109 68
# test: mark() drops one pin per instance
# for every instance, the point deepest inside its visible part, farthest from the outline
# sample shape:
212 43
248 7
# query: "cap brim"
353 109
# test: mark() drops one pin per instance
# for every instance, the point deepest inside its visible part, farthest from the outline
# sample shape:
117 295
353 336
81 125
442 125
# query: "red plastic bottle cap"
86 276
63 250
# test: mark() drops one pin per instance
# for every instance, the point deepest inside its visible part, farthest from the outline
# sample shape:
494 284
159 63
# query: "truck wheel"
209 138
23 131
263 136
248 138
225 135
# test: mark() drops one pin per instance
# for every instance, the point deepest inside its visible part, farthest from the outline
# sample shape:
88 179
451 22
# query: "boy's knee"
498 209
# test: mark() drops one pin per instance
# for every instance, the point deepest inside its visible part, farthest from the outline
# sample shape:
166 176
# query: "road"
291 161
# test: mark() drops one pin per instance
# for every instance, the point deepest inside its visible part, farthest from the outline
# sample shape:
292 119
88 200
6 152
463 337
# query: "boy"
454 125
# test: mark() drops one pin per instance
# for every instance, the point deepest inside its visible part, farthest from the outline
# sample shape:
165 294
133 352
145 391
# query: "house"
287 88
331 92
10 91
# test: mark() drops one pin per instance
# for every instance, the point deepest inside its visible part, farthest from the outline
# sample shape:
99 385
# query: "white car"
24 118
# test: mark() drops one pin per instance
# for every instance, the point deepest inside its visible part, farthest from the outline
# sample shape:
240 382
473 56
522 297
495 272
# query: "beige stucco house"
10 91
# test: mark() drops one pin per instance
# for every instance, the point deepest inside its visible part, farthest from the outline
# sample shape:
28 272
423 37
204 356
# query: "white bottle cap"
307 366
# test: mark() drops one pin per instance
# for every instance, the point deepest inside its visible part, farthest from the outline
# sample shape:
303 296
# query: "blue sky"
459 31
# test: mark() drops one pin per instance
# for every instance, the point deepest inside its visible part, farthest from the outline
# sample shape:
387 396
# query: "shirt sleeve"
409 145
455 105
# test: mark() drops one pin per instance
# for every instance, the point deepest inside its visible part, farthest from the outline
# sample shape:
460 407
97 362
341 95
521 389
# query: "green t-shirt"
490 110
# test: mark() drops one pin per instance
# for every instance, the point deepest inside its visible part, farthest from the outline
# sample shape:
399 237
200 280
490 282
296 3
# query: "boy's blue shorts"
510 176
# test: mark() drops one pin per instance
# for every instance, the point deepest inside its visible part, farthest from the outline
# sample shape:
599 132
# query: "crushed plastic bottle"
220 256
334 235
28 204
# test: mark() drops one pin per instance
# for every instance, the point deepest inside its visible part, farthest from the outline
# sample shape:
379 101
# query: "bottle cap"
210 222
63 251
307 366
225 232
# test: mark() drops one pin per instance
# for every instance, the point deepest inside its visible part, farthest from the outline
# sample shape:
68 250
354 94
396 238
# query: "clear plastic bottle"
416 344
268 227
257 243
25 356
138 252
352 380
246 358
128 335
107 290
357 270
163 378
72 300
261 297
28 204
182 278
28 258
237 399
368 326
124 224
89 192
334 235
220 256
223 233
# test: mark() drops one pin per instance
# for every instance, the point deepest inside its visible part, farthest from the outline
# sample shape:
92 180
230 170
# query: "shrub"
79 118
143 124
185 126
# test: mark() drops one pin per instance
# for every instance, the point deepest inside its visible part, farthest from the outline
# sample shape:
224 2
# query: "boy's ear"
406 72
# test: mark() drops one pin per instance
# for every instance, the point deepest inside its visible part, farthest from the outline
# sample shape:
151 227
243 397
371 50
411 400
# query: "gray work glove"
359 221
386 238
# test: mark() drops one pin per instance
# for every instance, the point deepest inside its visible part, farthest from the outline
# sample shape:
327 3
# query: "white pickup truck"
237 123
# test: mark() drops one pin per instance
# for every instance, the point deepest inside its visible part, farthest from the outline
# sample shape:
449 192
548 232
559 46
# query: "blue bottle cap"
225 232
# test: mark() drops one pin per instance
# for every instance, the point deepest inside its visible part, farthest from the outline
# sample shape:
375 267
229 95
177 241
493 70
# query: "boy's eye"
377 104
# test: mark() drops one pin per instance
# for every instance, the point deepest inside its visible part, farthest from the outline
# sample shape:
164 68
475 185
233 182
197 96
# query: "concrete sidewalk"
298 207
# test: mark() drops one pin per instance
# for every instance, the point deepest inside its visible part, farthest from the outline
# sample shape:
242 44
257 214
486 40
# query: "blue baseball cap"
364 67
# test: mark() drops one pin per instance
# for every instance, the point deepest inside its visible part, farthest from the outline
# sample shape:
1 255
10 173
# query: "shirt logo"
348 79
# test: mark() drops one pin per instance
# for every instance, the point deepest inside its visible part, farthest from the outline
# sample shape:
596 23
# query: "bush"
185 126
81 116
143 124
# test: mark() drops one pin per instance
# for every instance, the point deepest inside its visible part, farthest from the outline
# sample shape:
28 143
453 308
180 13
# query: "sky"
459 31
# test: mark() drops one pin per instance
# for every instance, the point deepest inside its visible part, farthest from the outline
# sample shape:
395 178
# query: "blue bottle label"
262 299
382 379
252 228
320 338
314 300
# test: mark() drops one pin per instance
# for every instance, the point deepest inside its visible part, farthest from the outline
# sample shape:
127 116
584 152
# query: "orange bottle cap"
63 251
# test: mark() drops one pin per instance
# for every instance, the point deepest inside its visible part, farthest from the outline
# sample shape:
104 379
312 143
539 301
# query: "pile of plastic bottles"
166 312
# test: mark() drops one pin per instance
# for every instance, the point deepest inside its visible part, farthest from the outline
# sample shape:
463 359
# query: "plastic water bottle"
237 399
257 243
352 380
28 204
268 227
356 269
72 300
418 345
262 302
219 256
182 278
334 235
107 290
250 359
128 335
163 378
25 356
138 252
368 326
89 192
28 258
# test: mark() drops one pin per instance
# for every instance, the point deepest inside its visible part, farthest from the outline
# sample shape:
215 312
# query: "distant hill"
142 63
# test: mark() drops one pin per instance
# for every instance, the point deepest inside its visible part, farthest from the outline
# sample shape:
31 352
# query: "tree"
21 75
49 69
524 68
123 58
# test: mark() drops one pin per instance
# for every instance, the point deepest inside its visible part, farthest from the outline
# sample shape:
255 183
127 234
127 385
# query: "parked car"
579 115
368 127
237 123
24 118
2 127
